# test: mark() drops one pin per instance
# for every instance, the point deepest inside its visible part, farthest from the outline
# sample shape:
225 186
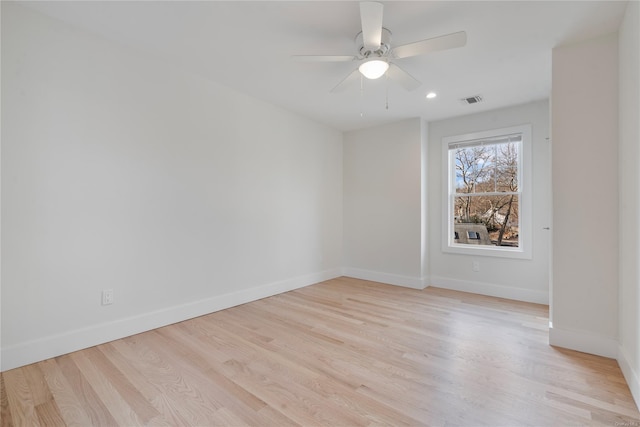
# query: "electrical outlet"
107 296
475 265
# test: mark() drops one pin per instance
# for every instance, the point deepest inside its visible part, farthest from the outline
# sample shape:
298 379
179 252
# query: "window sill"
490 251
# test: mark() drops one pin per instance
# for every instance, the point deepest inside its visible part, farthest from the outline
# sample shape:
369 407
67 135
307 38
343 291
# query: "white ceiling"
247 46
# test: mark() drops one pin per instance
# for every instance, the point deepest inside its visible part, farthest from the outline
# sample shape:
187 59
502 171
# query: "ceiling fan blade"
422 47
347 81
403 78
323 58
371 18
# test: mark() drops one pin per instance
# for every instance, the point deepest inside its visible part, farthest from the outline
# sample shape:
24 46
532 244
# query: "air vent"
472 99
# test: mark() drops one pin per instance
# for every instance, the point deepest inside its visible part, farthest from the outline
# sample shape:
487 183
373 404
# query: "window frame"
524 249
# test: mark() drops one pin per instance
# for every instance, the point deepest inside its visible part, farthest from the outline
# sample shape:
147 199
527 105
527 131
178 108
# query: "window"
488 193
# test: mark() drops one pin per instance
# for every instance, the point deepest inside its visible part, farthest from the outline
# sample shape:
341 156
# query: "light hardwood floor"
344 352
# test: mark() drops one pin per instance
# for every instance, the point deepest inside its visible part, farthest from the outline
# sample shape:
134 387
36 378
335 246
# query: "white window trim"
524 251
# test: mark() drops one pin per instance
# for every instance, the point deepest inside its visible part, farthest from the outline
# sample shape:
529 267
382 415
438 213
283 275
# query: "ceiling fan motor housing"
380 52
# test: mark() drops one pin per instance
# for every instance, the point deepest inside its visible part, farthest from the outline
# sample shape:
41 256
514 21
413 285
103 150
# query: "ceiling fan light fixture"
374 69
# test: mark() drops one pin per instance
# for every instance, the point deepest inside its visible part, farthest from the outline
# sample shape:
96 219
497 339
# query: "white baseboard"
388 278
583 341
630 374
34 351
489 289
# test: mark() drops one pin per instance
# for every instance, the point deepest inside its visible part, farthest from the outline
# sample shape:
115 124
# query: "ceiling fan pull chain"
386 77
361 95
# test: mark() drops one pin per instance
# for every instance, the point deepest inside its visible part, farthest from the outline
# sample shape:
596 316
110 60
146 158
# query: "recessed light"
431 95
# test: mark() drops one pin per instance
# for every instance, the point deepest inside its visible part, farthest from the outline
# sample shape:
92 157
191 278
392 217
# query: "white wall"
0 203
629 194
521 279
382 203
585 197
121 172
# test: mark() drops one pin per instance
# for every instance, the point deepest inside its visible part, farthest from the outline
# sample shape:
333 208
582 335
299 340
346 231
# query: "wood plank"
93 406
342 352
144 411
112 400
70 407
49 414
37 385
5 411
142 375
21 404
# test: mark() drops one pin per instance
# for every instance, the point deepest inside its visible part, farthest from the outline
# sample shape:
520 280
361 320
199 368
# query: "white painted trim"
526 196
490 289
56 345
630 375
583 341
387 278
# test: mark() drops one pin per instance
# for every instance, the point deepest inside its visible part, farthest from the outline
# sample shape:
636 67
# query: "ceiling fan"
375 55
